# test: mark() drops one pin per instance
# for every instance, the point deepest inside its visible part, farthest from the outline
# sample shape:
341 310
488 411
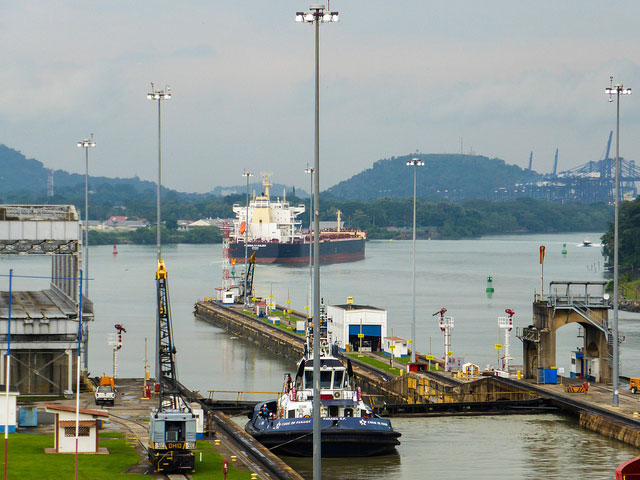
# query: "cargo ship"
273 231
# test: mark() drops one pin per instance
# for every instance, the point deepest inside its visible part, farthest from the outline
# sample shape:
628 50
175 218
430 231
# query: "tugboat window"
337 379
325 379
348 412
333 411
308 379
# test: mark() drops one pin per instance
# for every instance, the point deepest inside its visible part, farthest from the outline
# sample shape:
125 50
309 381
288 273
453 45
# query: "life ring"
243 227
336 394
306 416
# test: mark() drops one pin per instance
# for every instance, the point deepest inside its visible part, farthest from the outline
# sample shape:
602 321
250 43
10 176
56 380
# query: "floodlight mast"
159 95
616 90
415 163
317 15
86 144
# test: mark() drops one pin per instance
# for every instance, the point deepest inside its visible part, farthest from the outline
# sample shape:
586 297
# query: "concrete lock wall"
548 320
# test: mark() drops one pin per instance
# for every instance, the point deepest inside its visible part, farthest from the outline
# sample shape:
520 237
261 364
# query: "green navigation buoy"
489 288
564 249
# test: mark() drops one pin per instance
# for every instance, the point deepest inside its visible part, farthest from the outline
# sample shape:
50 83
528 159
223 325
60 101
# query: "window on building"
71 431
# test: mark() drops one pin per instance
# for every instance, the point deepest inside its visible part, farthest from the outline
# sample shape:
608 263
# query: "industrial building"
44 323
357 327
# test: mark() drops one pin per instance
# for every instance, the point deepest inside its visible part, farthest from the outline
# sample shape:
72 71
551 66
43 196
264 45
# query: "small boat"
349 428
587 243
629 469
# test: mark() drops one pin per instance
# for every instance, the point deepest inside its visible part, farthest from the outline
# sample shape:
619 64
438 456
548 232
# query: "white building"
400 346
13 396
65 429
361 326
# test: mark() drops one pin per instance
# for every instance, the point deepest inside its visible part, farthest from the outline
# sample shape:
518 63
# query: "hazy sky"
507 76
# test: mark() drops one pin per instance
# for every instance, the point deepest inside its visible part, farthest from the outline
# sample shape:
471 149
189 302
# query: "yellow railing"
240 393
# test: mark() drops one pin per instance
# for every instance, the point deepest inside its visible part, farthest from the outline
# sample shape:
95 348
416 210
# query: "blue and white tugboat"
349 427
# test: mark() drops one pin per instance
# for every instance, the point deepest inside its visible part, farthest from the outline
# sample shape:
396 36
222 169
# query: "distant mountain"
21 174
443 176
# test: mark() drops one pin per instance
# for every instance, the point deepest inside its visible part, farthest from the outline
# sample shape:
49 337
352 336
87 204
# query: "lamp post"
309 170
246 230
415 163
317 15
616 90
86 144
159 95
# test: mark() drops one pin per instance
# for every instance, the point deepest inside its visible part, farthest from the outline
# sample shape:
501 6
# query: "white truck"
105 392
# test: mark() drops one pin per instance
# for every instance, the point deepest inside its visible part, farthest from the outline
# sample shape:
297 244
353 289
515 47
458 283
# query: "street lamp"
86 144
309 170
415 163
616 90
159 95
316 15
246 230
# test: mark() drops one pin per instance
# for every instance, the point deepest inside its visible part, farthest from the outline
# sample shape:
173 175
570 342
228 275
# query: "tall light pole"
309 170
86 144
415 163
159 95
616 90
316 15
246 230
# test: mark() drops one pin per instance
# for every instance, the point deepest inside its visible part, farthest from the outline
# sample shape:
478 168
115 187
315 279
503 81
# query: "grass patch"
377 363
280 325
211 465
27 460
109 434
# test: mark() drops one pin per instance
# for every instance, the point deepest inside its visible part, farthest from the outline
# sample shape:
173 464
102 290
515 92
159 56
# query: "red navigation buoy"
115 250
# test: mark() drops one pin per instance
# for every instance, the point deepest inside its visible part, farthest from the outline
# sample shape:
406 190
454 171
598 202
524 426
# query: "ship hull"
341 437
331 251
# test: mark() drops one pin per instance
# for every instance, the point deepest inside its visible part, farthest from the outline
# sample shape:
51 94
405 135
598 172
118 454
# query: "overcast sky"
396 77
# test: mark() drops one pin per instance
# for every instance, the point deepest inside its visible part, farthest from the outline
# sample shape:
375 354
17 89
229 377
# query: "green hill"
443 177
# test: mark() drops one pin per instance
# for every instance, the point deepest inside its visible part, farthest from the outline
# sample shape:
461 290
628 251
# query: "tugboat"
349 426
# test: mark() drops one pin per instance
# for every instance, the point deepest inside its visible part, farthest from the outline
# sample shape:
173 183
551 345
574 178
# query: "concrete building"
65 429
44 323
360 326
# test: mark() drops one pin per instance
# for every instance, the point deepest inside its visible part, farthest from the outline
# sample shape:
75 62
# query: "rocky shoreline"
629 305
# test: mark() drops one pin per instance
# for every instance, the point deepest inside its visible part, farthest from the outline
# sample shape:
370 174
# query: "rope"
292 440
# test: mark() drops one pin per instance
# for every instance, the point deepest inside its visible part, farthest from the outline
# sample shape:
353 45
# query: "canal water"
450 274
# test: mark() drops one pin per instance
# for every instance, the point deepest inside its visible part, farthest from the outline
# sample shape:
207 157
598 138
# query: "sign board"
391 347
498 346
429 357
561 371
361 335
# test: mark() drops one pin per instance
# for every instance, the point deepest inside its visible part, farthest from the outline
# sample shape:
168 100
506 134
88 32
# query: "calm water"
449 273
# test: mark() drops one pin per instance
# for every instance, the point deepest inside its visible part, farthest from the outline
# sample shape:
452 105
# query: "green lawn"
377 363
211 465
26 460
283 325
